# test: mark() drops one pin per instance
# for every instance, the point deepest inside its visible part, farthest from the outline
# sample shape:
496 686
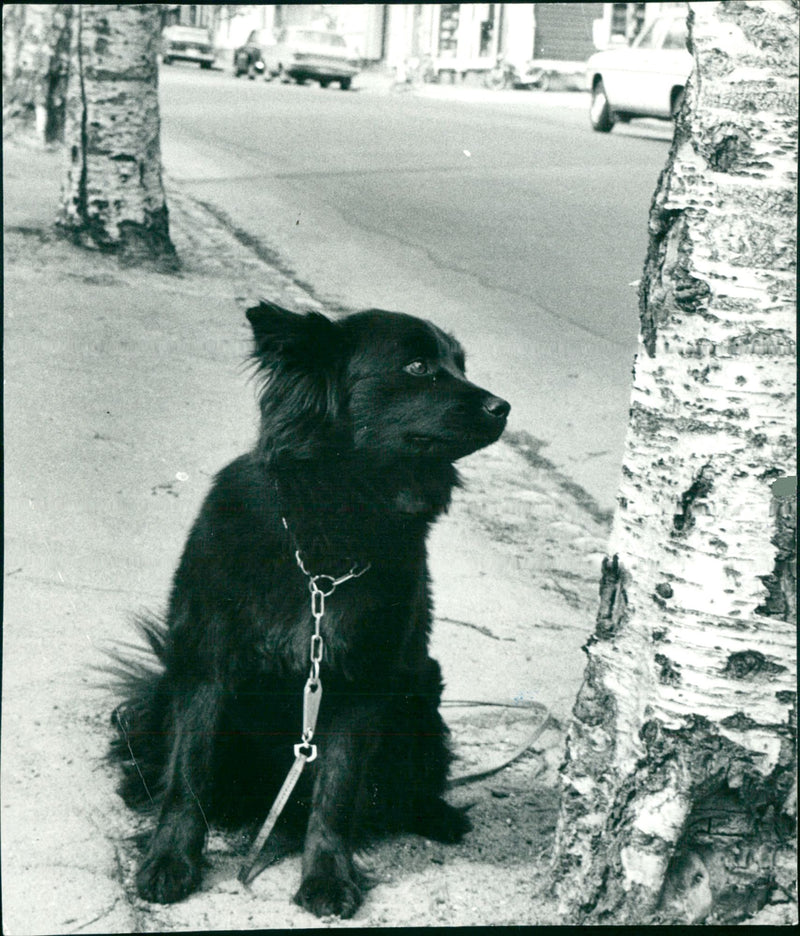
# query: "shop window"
627 20
487 31
619 19
448 29
635 20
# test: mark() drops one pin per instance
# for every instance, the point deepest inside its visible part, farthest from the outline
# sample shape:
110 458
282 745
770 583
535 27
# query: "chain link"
321 587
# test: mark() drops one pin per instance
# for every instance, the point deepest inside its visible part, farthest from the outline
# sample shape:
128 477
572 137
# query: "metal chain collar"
321 587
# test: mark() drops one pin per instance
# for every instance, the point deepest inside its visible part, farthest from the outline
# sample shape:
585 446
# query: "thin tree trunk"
112 195
36 46
677 789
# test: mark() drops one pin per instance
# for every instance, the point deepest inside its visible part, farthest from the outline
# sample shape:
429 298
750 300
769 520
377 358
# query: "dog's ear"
298 356
289 336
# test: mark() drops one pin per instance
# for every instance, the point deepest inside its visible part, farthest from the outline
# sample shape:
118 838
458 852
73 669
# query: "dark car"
188 44
249 59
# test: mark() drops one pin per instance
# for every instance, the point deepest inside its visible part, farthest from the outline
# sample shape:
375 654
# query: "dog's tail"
139 746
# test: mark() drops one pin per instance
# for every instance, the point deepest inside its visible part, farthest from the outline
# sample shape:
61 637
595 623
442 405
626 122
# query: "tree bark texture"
112 194
36 50
678 779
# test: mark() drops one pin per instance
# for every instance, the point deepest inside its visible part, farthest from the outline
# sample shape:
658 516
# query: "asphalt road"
502 217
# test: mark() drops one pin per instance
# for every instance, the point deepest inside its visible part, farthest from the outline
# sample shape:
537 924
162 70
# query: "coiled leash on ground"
472 776
321 587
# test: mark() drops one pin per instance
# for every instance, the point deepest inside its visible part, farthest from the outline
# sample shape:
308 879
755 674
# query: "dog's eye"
418 368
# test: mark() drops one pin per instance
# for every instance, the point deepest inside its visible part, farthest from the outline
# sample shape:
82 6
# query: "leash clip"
308 751
312 696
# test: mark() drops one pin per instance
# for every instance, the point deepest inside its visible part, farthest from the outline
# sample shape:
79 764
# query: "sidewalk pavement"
124 394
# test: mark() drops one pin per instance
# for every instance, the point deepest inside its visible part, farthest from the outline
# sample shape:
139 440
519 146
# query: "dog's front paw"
167 877
442 822
327 896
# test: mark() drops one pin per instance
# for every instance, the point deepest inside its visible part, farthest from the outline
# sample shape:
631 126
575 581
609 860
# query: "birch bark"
112 193
36 43
677 785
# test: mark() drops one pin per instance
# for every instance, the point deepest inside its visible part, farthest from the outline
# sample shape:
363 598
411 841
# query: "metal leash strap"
321 587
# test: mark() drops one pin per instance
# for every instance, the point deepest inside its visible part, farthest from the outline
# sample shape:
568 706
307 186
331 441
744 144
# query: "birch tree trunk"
678 782
36 45
112 193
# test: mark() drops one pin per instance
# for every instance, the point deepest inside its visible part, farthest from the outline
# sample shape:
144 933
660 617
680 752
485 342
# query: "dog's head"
376 383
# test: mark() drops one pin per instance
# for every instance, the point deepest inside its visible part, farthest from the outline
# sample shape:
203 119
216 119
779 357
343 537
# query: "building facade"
460 37
620 23
454 38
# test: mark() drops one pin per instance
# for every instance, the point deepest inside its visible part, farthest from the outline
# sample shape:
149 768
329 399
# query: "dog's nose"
496 407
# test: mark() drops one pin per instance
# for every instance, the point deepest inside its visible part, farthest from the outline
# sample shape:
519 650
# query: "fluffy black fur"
361 421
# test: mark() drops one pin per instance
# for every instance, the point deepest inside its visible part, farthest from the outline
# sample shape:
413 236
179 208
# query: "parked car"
249 58
296 53
645 79
188 44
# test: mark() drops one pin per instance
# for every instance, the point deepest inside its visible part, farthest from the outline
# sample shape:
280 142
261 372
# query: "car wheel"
599 110
324 82
344 83
282 76
166 60
205 65
678 94
251 72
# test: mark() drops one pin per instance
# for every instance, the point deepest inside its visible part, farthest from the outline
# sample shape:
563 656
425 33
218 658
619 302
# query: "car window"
319 38
186 32
676 36
646 40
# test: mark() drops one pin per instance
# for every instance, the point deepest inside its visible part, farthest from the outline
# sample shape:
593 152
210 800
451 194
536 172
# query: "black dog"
361 421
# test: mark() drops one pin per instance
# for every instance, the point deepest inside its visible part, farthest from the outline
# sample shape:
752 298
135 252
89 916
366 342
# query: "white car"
299 54
187 44
645 79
